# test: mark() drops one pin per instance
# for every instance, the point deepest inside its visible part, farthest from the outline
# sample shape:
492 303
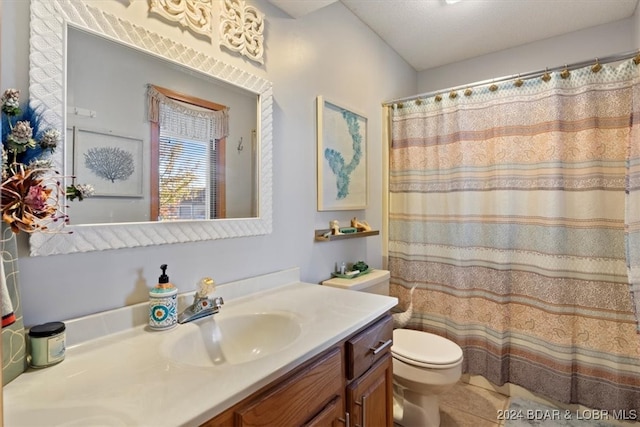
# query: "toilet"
425 365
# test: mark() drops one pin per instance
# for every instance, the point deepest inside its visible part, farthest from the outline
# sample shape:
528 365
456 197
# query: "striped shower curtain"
515 209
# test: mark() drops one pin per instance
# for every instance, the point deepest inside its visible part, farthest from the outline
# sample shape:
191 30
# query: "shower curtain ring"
518 82
596 67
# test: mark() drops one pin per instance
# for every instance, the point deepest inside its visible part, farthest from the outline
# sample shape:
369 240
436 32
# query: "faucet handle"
206 286
202 304
218 302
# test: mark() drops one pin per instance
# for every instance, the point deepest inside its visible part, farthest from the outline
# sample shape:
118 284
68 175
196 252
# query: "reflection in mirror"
174 169
103 228
188 156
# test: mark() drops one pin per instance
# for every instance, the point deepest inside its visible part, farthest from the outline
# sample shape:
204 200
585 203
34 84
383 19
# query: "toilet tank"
375 282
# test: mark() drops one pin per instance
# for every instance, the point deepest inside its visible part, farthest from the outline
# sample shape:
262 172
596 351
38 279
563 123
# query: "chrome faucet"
202 306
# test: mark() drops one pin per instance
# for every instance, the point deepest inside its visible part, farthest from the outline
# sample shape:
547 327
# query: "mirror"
107 113
56 24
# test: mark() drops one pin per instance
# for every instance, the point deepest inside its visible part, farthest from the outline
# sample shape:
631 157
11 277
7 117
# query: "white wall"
578 46
329 53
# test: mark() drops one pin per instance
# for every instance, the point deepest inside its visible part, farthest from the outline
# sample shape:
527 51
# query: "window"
187 139
187 186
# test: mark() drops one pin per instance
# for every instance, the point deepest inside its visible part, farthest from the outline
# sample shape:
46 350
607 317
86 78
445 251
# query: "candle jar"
47 343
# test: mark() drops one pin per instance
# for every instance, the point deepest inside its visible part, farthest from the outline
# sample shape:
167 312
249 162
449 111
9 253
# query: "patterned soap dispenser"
163 303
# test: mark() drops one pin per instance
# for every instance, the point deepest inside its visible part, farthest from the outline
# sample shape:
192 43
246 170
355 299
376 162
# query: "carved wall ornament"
192 14
241 28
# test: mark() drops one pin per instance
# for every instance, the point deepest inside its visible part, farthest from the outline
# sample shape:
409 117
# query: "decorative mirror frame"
49 21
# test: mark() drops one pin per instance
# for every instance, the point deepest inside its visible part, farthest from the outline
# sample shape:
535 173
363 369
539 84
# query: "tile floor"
466 405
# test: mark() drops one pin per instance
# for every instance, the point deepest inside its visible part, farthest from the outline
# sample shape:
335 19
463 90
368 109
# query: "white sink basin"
231 339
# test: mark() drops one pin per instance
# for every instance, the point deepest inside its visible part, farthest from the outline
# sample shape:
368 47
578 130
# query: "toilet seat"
425 350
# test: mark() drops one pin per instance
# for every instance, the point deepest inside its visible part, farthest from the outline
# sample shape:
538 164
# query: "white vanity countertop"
124 379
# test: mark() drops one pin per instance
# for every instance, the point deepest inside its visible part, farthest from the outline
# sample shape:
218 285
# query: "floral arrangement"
31 188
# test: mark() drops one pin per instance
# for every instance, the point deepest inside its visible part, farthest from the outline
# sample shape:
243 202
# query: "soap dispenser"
163 303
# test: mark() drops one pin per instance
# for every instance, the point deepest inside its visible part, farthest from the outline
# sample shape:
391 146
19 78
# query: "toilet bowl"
424 364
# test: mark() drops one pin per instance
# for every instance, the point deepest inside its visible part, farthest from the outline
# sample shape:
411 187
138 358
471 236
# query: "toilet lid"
425 348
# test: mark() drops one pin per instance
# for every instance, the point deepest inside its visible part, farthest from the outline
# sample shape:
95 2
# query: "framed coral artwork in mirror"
113 163
342 157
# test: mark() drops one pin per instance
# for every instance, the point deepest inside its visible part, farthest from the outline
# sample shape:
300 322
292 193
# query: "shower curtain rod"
529 75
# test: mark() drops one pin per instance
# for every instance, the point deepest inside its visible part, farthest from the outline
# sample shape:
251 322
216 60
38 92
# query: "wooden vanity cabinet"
370 375
349 384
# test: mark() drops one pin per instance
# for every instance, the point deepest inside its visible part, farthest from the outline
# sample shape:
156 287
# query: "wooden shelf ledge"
320 235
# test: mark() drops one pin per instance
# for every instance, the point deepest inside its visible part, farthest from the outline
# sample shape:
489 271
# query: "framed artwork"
111 163
342 158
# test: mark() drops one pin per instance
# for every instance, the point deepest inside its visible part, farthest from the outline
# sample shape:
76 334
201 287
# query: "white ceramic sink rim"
232 338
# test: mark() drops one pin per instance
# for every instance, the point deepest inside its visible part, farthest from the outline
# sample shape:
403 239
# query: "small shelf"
320 235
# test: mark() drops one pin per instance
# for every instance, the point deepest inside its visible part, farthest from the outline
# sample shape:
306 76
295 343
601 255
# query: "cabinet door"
331 416
299 398
370 397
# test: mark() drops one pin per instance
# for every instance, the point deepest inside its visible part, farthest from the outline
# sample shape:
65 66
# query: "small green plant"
360 266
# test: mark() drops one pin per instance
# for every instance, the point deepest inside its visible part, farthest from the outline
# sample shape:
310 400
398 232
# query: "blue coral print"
336 159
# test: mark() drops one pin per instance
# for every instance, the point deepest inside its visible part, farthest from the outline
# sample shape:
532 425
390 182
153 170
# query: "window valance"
179 118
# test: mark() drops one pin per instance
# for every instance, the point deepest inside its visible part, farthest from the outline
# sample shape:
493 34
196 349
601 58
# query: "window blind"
187 162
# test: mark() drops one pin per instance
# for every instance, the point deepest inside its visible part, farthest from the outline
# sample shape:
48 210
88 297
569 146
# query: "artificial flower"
42 165
11 102
50 139
31 190
79 191
21 137
28 202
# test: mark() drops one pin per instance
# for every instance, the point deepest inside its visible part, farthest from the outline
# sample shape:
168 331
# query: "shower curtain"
515 208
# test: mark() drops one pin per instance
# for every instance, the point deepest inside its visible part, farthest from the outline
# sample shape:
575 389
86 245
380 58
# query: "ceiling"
431 33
